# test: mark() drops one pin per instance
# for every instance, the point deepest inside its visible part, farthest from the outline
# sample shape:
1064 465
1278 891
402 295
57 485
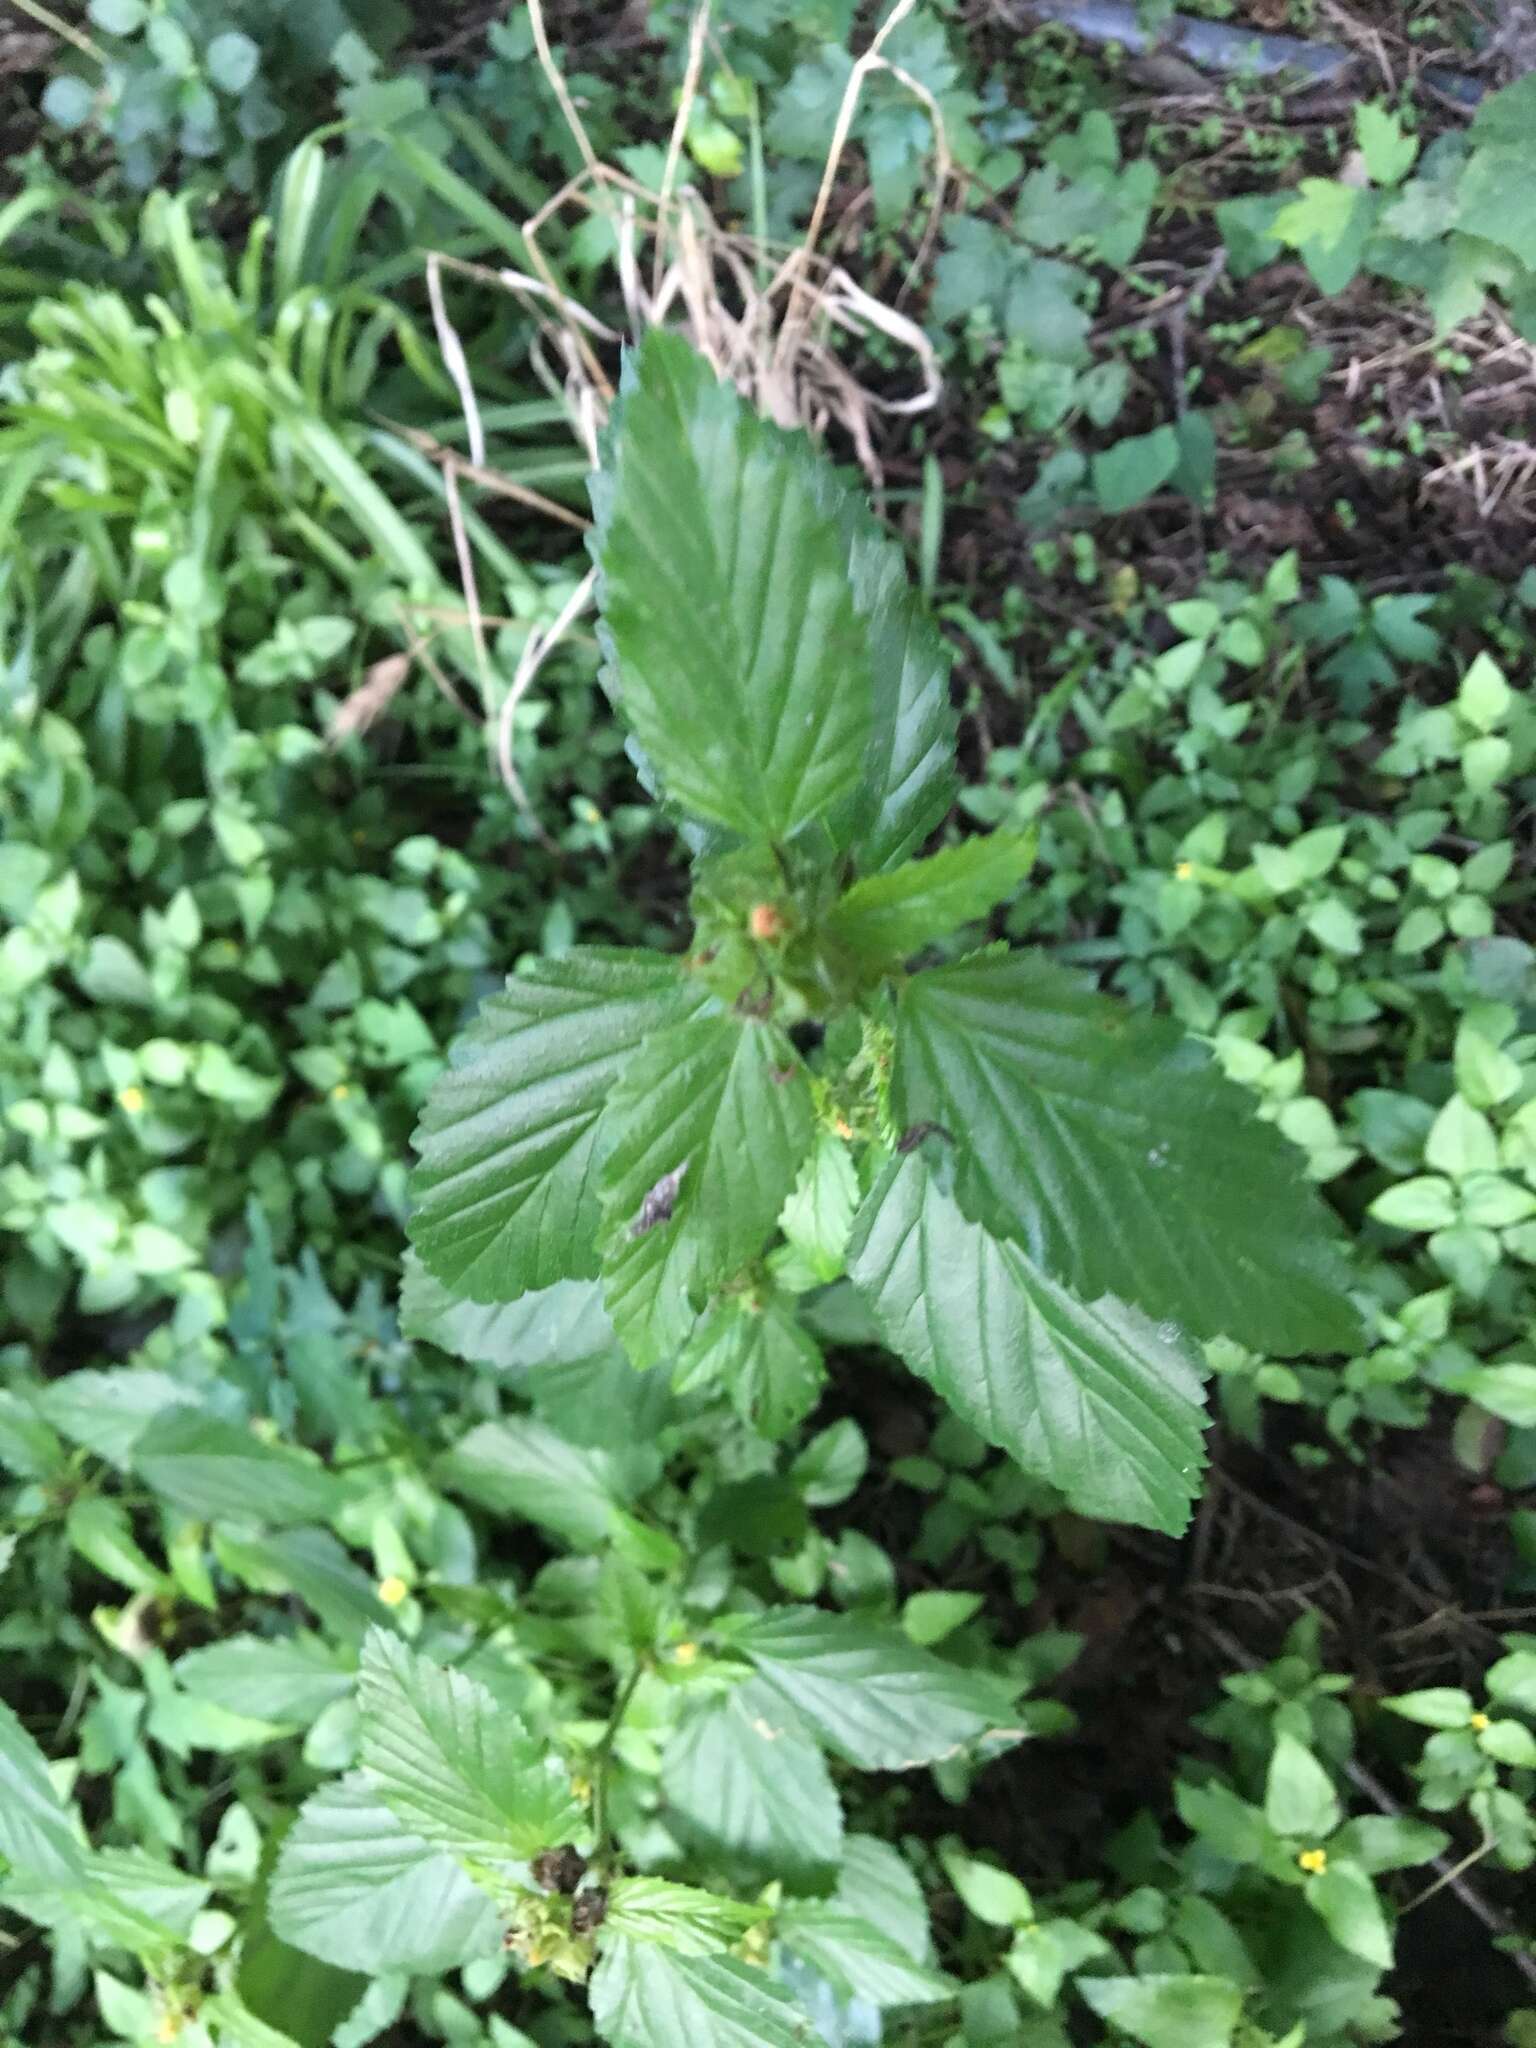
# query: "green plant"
234 939
235 84
514 1777
1437 223
957 1135
956 1139
1483 1758
1273 1921
386 1664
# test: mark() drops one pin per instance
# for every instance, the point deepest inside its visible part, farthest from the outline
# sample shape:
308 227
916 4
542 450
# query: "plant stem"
602 1758
60 27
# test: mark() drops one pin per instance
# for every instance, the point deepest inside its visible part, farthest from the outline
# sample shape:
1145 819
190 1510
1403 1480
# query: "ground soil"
1405 1555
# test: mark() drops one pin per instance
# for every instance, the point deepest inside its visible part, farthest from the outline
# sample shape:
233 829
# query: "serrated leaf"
736 653
769 1365
210 1468
711 1122
93 1910
1231 1827
869 1694
109 1411
453 1763
1321 216
521 1467
751 1795
130 1899
877 1884
1512 1681
563 1325
859 1959
909 779
1105 1143
1436 1706
1482 198
1508 1391
989 1894
886 917
821 1207
644 1996
511 1139
1132 469
100 1530
1383 1841
287 1680
312 1566
681 1917
355 1889
1047 1952
37 1837
1167 2011
1092 1397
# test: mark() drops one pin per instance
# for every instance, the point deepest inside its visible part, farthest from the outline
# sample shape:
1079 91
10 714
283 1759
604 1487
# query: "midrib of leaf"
909 770
1015 1354
740 657
786 759
1128 1171
536 1140
700 1093
511 1136
1055 1202
662 546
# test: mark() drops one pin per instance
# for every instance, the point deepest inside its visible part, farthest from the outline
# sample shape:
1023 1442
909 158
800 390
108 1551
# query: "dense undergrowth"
801 1697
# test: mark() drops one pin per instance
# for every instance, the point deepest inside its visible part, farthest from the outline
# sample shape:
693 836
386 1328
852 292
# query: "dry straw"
773 323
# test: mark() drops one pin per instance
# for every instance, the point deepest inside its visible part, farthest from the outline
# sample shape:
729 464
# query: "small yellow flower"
340 1092
132 1099
581 1789
686 1653
1479 1723
1313 1861
393 1590
843 1128
1185 871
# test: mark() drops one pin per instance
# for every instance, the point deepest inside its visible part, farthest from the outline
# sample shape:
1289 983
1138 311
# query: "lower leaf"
357 1890
1093 1397
649 1997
